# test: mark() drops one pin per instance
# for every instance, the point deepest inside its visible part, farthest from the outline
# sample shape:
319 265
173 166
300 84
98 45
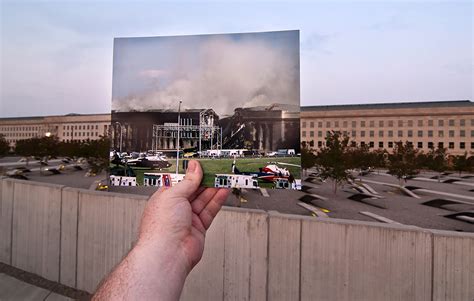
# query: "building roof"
393 105
47 116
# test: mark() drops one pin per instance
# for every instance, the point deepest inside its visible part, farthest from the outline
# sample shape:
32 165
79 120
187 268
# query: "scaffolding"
206 131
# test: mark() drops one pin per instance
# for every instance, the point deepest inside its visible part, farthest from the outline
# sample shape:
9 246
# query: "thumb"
191 181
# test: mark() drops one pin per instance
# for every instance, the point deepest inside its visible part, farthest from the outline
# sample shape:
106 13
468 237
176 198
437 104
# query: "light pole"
120 147
177 145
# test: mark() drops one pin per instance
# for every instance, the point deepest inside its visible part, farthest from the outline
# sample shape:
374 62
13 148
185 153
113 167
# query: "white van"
235 181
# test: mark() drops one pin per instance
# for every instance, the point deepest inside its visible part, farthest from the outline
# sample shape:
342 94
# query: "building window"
320 124
472 145
320 133
354 124
328 124
409 133
390 144
372 123
451 133
311 124
311 133
451 122
311 143
380 133
420 145
441 122
362 124
462 133
472 122
96 126
344 124
410 123
354 134
303 134
320 144
380 144
390 123
462 122
472 133
380 123
451 145
440 145
390 133
304 124
420 133
362 143
371 144
462 145
430 133
420 122
430 145
371 133
441 134
400 123
336 124
362 133
400 133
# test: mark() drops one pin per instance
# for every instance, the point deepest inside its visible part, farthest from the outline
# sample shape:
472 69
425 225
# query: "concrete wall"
76 237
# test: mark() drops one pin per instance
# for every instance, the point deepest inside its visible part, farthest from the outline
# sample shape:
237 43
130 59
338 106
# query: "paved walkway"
14 289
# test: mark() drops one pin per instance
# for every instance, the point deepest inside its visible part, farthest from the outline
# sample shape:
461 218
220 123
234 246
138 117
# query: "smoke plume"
221 74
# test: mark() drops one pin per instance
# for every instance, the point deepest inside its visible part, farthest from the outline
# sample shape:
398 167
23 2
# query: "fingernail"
192 166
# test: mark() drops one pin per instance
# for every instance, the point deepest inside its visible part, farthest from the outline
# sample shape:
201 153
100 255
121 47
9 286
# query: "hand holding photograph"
231 101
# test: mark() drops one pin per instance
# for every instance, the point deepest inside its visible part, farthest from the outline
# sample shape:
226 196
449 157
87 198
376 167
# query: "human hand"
176 218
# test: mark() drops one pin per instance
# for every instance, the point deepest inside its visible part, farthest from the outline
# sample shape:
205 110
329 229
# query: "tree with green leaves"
97 153
4 146
333 159
26 148
437 160
461 163
402 163
308 159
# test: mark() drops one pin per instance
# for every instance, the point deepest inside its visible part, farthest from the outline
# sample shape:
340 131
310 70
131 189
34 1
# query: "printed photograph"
231 101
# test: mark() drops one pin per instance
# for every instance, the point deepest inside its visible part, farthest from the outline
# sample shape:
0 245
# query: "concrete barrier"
77 236
453 266
108 226
36 228
6 218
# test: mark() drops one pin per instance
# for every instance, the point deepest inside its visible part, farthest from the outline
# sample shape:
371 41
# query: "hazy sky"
219 71
56 57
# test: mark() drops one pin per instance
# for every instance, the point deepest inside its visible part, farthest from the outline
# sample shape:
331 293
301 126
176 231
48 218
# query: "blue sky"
56 57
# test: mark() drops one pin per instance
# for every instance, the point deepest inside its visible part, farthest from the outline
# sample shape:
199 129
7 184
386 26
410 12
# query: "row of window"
389 123
76 134
390 144
400 133
27 135
19 128
81 127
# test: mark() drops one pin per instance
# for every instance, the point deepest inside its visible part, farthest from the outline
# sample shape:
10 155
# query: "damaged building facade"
158 130
263 129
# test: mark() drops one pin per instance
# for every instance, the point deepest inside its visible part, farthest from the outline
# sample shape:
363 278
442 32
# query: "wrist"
161 270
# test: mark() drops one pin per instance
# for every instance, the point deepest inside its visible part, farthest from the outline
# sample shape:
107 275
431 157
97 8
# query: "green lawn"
214 166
